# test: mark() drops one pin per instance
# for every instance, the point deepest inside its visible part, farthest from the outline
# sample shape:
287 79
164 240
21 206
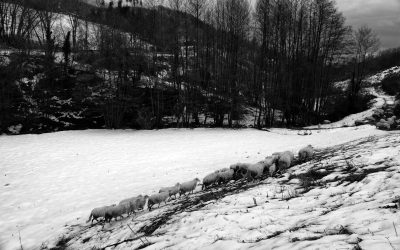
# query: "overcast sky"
381 15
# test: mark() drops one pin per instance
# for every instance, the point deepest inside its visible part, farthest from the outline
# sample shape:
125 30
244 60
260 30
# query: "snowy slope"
50 180
378 102
350 199
374 89
338 213
335 214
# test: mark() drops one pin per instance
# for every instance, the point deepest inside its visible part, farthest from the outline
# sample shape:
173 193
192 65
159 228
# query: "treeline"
300 43
381 61
134 63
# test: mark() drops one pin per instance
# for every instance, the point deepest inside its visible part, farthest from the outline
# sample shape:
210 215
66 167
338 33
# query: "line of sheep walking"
277 162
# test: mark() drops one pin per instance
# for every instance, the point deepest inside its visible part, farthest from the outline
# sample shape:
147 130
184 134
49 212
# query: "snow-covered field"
50 180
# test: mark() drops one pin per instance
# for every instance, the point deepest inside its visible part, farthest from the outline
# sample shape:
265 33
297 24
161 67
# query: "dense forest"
138 64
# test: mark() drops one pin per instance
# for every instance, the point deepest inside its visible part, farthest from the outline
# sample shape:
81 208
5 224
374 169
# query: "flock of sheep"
277 162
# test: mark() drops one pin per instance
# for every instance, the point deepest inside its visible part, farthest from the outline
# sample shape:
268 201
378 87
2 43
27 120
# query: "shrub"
146 119
338 106
391 84
396 110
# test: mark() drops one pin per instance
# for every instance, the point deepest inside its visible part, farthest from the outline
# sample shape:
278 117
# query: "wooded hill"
193 62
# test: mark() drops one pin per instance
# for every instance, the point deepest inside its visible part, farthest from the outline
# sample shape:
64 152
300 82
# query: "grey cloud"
382 16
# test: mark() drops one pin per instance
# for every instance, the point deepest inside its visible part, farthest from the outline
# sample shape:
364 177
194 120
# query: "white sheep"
135 203
130 204
238 166
255 171
272 170
141 201
306 153
99 212
225 176
117 211
188 187
132 199
285 160
271 160
240 169
157 199
221 170
290 154
209 180
268 162
174 190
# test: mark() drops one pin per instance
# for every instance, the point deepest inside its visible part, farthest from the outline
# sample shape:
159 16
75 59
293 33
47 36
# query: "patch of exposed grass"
311 178
357 177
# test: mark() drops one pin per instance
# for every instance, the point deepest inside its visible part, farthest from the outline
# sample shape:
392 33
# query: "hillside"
150 67
346 197
71 172
380 100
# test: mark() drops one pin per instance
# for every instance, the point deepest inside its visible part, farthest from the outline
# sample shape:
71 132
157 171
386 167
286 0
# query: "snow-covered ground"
50 180
346 198
344 209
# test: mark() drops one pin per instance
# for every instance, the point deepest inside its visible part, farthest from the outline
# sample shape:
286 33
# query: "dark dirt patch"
331 209
273 235
357 177
297 228
311 238
62 243
86 239
311 178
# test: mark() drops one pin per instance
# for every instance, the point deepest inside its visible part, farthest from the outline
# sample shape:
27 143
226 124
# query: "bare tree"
48 17
74 20
299 41
17 23
365 43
